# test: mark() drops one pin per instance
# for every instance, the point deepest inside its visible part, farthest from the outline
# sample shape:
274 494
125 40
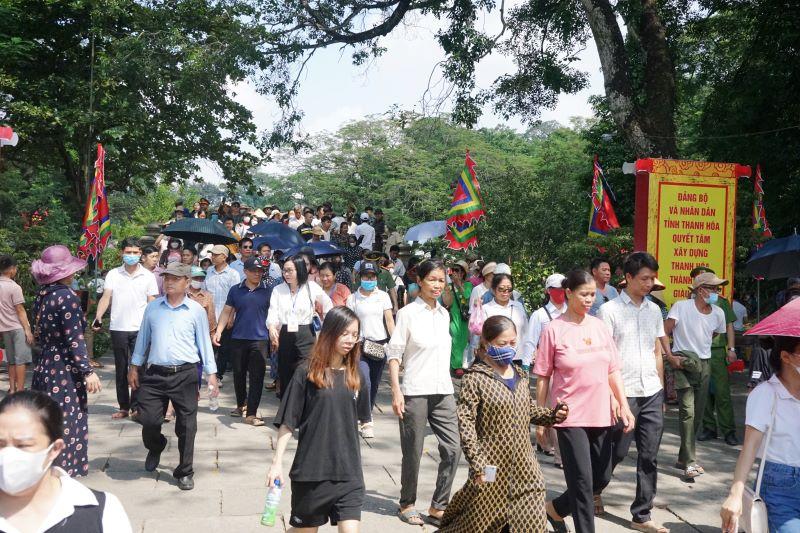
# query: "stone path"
232 459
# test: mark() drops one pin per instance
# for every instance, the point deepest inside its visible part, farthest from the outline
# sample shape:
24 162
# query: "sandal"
169 417
559 526
599 510
96 364
253 421
119 415
691 472
649 527
432 520
239 412
410 517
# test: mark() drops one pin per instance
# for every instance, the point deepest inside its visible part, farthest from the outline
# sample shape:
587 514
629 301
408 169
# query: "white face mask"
197 284
20 470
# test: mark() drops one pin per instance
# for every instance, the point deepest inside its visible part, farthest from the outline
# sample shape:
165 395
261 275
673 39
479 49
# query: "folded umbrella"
200 230
426 231
778 258
320 248
279 233
785 321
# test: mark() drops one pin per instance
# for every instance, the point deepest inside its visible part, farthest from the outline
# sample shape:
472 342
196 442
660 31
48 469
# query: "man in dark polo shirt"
249 339
305 229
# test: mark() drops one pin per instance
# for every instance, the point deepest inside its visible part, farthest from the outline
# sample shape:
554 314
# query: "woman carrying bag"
374 310
773 407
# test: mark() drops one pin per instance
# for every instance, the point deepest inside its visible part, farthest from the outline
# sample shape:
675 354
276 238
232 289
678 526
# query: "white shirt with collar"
421 342
539 320
784 445
636 330
129 293
368 232
516 312
283 304
74 494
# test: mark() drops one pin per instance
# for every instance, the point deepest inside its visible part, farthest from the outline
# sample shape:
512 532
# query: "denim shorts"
780 490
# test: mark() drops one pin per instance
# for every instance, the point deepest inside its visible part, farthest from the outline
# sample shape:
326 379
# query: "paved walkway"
232 459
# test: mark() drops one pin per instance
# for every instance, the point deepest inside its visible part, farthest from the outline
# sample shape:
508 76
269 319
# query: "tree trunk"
644 130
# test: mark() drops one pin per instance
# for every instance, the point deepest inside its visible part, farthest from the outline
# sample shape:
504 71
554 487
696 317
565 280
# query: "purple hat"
56 263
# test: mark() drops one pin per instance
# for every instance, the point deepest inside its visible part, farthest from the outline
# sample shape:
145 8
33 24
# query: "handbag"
316 321
373 350
754 510
476 318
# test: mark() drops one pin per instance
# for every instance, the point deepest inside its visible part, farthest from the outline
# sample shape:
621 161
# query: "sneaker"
367 430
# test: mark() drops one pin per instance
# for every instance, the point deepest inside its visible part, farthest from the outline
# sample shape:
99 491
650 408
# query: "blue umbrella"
778 258
320 248
283 236
426 231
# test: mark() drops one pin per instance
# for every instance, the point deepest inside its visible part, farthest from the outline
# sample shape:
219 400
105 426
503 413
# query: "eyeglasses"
355 337
504 290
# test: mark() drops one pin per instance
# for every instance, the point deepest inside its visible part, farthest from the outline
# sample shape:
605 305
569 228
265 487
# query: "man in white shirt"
636 325
601 272
693 324
296 217
365 233
399 267
127 290
556 306
219 280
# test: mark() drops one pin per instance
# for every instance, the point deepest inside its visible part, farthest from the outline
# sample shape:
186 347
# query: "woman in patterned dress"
495 410
62 370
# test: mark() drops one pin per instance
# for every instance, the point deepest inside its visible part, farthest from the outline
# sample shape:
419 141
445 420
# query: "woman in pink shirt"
577 353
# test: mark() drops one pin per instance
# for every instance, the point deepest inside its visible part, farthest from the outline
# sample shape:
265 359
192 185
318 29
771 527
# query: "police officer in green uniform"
718 414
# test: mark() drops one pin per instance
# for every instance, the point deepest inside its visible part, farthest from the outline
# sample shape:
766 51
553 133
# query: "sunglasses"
247 247
504 290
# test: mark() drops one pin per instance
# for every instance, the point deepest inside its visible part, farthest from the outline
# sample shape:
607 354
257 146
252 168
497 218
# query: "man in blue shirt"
249 301
172 343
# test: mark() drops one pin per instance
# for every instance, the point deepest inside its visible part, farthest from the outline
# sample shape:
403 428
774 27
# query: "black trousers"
222 352
292 349
649 428
586 456
249 359
123 343
156 390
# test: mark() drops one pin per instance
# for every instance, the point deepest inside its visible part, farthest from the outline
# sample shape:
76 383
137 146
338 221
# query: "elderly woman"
495 410
63 371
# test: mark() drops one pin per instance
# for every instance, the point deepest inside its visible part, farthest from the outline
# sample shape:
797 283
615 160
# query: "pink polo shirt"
10 297
578 358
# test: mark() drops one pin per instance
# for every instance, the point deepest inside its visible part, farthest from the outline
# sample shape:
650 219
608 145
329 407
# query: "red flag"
96 222
603 218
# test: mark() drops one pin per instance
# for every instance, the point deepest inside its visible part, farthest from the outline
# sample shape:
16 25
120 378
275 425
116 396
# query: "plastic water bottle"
213 401
271 505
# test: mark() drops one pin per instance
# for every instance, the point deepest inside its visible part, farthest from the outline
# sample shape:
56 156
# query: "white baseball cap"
502 268
364 216
554 281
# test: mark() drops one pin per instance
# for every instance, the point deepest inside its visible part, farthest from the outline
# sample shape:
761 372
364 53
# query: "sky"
333 91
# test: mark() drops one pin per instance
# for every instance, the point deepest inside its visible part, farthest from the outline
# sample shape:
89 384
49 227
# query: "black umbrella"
320 249
778 258
286 235
200 230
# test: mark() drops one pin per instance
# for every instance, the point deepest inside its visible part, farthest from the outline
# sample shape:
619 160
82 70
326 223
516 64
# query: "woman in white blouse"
292 308
34 495
780 486
503 305
421 342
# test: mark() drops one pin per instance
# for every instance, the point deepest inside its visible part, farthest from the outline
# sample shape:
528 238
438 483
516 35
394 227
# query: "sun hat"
502 268
198 272
463 264
488 268
317 230
707 278
56 263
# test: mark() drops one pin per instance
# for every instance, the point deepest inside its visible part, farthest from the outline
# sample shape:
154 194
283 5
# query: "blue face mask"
712 298
501 354
369 285
130 259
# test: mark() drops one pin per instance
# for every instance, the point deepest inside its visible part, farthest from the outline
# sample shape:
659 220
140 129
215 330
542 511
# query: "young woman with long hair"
324 401
495 411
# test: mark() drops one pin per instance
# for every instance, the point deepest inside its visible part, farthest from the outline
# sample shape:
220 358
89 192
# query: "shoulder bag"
371 349
754 510
316 321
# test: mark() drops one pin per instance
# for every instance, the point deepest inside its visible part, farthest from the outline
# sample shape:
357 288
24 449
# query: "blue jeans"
780 490
372 370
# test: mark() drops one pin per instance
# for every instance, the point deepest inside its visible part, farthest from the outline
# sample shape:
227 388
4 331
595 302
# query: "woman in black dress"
324 401
62 370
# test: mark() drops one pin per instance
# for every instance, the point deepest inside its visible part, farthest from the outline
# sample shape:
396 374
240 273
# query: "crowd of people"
605 361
